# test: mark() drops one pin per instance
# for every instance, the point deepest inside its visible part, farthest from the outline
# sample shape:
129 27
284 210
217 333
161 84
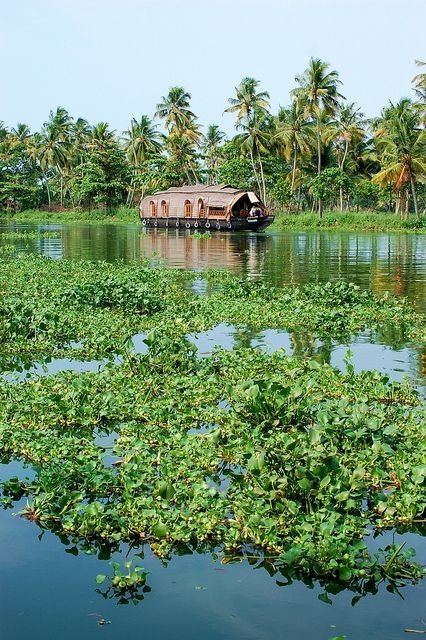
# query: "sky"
110 60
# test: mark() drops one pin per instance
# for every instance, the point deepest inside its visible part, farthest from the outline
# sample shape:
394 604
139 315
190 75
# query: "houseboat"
205 207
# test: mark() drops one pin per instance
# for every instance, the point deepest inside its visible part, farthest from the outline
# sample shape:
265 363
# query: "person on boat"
255 211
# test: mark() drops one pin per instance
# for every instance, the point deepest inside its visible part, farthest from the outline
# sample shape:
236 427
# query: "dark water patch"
242 599
106 439
18 468
203 429
51 366
222 335
139 344
368 351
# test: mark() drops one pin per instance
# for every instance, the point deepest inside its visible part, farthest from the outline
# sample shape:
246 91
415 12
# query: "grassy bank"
122 215
361 221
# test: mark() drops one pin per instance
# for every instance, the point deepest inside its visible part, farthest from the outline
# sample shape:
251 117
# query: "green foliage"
281 192
301 463
363 221
370 195
234 169
100 306
119 215
243 449
114 292
326 186
103 177
19 177
126 586
73 164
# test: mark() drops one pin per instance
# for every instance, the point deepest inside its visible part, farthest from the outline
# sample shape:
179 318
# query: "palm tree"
141 141
346 129
21 131
248 101
255 140
80 135
174 110
317 93
211 148
55 144
420 82
181 124
101 136
254 121
3 130
401 141
183 157
295 135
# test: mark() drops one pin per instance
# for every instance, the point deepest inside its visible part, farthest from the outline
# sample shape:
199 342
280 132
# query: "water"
48 583
382 262
368 350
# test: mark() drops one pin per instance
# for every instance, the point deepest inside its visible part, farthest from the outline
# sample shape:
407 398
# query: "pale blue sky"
113 59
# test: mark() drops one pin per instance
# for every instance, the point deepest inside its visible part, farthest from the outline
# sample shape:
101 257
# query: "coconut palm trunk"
48 195
342 164
263 192
414 194
254 171
319 162
131 193
293 172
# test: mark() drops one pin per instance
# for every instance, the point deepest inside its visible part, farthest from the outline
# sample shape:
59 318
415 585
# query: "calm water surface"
378 261
48 586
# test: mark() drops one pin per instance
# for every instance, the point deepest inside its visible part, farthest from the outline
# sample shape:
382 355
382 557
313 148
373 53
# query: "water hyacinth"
243 452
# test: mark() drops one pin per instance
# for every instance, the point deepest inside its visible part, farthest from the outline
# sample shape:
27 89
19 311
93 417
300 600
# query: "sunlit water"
48 584
382 262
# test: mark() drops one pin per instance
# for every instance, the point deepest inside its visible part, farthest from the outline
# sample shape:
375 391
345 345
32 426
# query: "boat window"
164 209
153 209
188 209
201 208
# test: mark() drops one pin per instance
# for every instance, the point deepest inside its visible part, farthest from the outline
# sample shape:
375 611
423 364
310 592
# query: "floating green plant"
46 306
28 235
127 585
300 460
243 452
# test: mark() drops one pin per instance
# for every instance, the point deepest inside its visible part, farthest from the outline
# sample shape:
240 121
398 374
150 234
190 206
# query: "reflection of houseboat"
214 207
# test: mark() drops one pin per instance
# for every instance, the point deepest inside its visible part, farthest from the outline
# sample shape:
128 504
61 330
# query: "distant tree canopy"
319 151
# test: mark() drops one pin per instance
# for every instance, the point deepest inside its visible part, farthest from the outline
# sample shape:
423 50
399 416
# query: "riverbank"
122 215
350 221
332 220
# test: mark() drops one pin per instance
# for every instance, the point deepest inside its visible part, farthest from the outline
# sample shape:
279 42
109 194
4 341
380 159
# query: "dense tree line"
318 152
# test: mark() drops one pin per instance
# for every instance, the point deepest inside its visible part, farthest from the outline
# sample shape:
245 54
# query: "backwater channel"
48 586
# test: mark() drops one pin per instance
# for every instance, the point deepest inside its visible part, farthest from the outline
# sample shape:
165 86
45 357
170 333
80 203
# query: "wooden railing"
216 213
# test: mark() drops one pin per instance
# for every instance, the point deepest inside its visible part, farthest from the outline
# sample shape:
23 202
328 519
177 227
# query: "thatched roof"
216 195
201 188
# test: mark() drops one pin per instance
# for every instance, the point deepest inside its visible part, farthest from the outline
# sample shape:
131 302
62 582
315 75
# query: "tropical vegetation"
317 153
278 458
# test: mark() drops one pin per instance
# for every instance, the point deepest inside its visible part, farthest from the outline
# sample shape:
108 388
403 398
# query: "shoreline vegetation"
319 153
285 221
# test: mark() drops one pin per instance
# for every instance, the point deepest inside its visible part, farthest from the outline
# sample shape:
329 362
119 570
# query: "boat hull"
212 224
